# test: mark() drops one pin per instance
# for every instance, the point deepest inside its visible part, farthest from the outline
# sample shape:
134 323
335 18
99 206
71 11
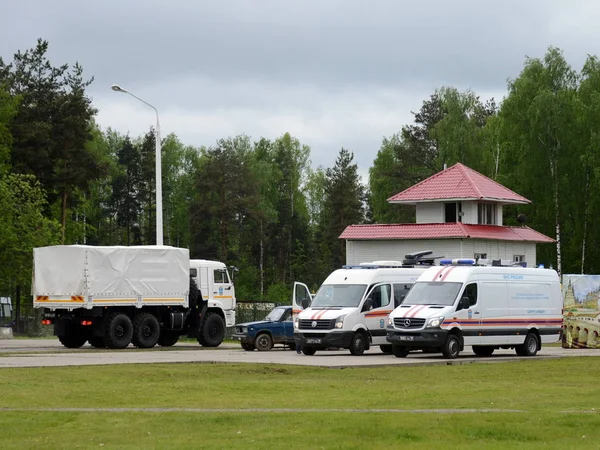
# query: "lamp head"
117 88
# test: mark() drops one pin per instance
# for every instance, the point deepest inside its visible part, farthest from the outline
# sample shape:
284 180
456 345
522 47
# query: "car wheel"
263 342
247 347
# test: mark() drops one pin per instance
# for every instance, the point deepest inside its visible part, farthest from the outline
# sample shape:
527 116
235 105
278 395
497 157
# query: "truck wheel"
167 338
482 350
118 331
97 342
529 347
387 348
212 332
399 351
263 342
73 338
146 330
247 347
358 344
309 351
451 348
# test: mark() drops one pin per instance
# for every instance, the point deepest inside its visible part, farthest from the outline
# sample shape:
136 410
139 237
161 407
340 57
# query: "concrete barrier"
6 333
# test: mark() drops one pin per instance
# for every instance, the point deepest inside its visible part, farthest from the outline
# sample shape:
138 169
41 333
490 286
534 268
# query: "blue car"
276 328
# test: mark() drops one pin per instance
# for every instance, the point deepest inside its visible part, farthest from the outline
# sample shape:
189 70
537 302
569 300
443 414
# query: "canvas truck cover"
98 276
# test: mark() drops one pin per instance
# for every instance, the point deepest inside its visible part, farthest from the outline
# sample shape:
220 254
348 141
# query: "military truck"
114 296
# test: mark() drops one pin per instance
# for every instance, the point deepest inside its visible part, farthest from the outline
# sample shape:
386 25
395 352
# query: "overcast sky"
333 73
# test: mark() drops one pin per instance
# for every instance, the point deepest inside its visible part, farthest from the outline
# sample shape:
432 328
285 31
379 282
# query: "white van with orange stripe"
351 308
486 307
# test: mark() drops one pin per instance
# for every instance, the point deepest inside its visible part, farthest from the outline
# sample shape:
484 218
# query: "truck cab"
215 287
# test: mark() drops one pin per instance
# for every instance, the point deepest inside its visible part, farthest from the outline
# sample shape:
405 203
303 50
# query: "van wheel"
400 351
263 342
529 347
451 348
386 348
358 344
482 350
309 351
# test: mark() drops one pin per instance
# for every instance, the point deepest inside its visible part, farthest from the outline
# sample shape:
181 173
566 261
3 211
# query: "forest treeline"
258 204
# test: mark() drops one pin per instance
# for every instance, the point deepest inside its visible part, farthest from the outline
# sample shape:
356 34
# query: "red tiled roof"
442 231
457 182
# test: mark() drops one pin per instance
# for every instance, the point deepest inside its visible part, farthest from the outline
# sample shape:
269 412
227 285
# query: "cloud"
335 73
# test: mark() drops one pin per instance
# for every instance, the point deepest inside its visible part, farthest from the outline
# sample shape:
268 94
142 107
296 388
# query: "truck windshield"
340 295
432 293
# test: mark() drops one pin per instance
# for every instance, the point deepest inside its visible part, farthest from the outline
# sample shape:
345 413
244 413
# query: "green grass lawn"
543 390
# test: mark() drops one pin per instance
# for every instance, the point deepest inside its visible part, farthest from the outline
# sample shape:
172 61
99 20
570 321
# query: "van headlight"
296 323
391 321
339 322
435 322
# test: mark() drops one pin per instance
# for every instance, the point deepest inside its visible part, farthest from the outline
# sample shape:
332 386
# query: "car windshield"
339 295
432 293
275 315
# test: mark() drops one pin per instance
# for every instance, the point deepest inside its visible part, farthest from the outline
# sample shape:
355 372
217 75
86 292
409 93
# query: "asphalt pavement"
50 353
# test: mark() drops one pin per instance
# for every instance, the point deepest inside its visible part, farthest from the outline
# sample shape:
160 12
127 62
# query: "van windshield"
340 295
432 293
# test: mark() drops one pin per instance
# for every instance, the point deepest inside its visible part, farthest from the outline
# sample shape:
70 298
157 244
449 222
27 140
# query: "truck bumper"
432 338
323 341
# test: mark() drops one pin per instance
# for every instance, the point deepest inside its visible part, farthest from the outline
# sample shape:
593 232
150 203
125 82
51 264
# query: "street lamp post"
159 217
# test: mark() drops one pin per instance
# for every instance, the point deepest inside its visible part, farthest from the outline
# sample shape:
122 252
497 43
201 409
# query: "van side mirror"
464 303
368 305
305 303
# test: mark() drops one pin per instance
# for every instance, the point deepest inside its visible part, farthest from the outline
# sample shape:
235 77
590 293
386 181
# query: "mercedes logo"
407 322
314 324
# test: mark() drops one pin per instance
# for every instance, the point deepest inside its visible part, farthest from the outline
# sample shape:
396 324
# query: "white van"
487 307
351 308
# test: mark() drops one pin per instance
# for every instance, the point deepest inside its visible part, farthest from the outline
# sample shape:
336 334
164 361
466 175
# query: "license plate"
313 340
406 338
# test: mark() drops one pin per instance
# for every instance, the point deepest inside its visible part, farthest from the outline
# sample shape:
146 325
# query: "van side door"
376 308
470 315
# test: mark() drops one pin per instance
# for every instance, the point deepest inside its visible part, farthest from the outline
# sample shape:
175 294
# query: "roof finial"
445 166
